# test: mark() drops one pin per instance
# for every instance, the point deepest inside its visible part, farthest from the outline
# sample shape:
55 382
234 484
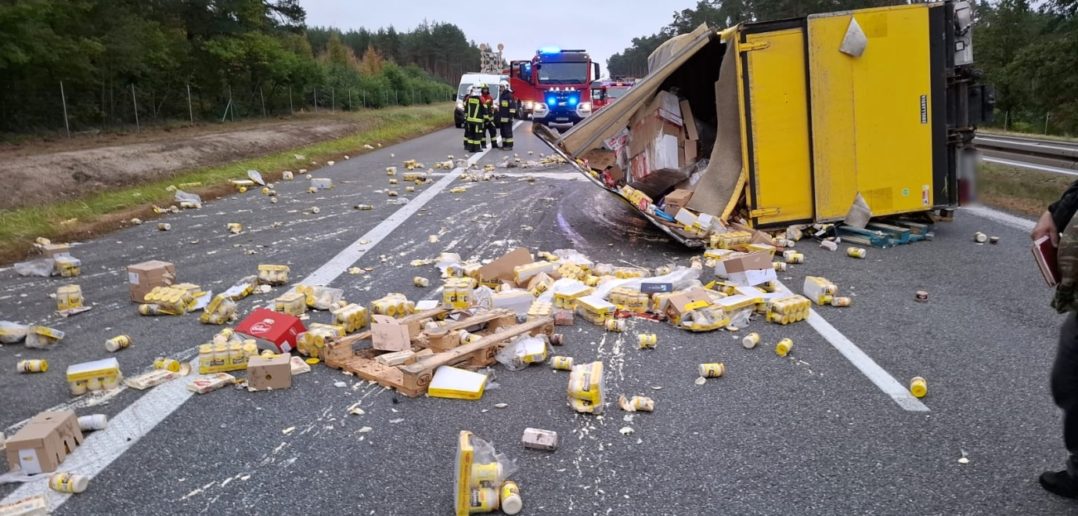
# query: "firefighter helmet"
505 86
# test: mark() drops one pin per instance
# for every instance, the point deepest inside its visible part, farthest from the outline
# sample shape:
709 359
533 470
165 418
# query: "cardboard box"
502 269
689 122
265 374
516 300
209 383
647 131
36 505
600 158
151 379
388 335
143 277
687 153
451 382
613 175
41 445
664 105
538 439
655 152
272 329
53 250
66 425
747 269
681 303
676 200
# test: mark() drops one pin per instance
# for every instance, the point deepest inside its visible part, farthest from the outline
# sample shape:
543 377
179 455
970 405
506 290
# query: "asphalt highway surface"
811 433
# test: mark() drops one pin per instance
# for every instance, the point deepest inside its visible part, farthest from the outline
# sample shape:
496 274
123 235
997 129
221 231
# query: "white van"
492 80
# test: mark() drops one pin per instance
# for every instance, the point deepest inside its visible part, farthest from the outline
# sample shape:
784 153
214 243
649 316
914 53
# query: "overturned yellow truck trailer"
777 123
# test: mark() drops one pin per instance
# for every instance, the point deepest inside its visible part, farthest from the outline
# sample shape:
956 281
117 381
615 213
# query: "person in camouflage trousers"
1065 368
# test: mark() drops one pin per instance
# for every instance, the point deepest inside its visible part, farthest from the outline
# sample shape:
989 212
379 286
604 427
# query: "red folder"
1044 252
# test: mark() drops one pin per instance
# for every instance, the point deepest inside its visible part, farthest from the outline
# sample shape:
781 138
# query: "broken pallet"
414 322
412 380
447 335
417 376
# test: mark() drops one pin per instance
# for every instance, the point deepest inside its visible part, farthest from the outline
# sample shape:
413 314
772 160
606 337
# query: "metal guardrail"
1028 147
1052 153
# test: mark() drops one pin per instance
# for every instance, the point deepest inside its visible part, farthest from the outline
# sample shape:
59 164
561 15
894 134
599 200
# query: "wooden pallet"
416 377
866 237
338 350
888 232
412 380
446 336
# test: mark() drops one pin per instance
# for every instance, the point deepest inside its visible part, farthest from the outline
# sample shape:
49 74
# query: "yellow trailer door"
871 119
777 123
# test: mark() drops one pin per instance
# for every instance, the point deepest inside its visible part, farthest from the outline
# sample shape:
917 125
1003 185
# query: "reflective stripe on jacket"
473 110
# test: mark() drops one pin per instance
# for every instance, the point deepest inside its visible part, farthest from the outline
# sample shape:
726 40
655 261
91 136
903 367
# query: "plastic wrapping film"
42 267
482 298
242 288
574 257
12 332
42 337
189 198
680 278
523 351
479 473
323 298
586 388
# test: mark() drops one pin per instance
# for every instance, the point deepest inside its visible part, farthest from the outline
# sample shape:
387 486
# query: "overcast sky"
600 27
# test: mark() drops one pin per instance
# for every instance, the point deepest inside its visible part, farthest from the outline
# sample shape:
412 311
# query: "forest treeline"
1027 50
101 63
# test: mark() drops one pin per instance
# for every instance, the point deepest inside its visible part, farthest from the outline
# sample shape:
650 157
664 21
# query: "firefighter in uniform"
488 120
507 112
473 121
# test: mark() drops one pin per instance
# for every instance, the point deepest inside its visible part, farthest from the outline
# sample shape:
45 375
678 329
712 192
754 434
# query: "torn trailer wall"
787 122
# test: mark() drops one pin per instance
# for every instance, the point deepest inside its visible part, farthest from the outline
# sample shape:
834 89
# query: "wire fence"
73 109
1044 123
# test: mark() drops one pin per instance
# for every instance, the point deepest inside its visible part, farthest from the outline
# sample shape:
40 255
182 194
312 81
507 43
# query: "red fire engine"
553 88
605 92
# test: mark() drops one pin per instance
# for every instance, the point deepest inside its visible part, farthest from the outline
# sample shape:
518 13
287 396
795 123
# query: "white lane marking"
1031 166
887 383
94 399
104 446
139 418
863 362
1006 219
356 250
87 400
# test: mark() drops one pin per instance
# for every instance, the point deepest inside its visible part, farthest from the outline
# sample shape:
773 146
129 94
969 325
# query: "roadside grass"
107 210
1019 190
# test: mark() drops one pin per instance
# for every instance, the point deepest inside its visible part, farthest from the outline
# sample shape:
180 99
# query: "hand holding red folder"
1045 252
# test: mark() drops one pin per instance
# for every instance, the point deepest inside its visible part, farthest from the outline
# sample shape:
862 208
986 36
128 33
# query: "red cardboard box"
272 328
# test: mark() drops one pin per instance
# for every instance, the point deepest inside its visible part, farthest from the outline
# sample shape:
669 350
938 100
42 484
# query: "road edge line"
1004 218
1047 169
